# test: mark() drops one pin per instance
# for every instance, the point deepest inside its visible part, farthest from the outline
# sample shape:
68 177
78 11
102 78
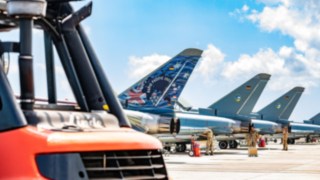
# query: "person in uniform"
213 142
210 138
252 139
285 136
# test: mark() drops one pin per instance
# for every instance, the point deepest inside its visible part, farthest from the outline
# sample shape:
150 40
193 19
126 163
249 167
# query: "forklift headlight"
26 7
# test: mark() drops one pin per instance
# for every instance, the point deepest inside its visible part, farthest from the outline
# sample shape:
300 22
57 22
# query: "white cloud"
239 13
211 62
288 67
245 8
266 60
141 66
300 63
286 52
213 66
298 19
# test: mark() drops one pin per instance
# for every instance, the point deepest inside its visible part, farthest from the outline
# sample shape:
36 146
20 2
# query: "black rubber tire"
223 144
291 141
167 148
233 144
308 139
180 147
191 154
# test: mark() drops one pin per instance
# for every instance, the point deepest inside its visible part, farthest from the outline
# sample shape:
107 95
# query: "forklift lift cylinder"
25 64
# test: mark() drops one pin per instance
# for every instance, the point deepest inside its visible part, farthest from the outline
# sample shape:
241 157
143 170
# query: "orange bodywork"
20 147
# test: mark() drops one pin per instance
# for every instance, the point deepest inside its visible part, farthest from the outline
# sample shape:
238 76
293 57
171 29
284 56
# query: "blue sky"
141 29
240 37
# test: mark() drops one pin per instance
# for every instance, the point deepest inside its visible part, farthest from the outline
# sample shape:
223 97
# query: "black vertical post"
84 70
51 82
71 74
25 64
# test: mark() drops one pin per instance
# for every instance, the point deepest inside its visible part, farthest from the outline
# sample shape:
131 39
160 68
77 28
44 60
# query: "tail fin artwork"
159 90
281 108
241 100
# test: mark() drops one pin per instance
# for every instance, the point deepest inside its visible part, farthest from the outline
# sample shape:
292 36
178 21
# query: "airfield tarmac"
302 161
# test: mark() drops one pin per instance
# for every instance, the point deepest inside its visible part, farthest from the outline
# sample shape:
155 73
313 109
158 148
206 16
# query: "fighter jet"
150 103
303 130
279 112
308 129
237 106
241 101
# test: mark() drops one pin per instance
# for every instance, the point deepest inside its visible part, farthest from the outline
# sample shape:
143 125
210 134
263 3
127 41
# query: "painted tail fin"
241 100
162 87
281 108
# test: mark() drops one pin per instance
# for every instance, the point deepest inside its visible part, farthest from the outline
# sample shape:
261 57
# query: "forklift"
52 139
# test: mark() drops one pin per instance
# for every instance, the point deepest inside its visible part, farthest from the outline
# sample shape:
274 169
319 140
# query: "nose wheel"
223 144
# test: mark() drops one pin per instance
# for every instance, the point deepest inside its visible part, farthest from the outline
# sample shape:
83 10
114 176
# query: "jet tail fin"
241 100
314 120
161 88
282 108
316 117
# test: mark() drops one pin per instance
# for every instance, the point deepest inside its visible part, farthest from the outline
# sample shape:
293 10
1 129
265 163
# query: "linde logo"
84 121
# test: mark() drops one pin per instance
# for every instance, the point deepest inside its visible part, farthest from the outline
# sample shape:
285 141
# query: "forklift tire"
223 144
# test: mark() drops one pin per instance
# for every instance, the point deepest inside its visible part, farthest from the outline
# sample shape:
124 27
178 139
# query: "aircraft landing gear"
308 139
181 147
291 141
233 144
223 144
167 148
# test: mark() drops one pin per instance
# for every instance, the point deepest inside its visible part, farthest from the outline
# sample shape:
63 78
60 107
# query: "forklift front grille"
129 165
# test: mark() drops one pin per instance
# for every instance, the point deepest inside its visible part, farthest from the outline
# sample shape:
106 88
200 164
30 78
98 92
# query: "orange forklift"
91 139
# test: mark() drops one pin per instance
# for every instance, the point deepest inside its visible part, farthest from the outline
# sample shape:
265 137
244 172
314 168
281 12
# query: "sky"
240 39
